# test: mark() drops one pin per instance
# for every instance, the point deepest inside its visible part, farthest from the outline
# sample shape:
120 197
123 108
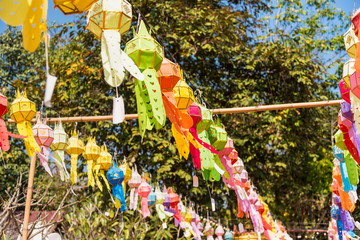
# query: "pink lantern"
144 191
134 184
3 105
233 156
219 232
355 84
345 91
44 136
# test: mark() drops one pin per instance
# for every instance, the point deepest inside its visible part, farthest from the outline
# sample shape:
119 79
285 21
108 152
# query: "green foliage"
238 53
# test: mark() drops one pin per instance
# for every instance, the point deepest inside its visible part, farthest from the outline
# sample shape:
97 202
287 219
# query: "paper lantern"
348 71
184 95
355 84
229 147
355 19
144 50
91 154
351 168
127 173
167 201
238 167
168 75
174 198
3 105
151 199
115 176
4 134
228 235
234 156
339 140
102 164
219 232
144 191
338 153
351 41
345 91
208 231
44 136
206 119
74 149
346 110
160 209
134 184
217 136
73 6
195 219
58 147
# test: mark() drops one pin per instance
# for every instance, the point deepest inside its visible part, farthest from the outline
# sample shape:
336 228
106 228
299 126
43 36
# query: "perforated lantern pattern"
184 95
3 105
92 151
217 136
351 41
109 15
105 159
206 119
174 198
61 138
73 6
168 75
22 108
238 167
76 146
348 71
44 135
144 50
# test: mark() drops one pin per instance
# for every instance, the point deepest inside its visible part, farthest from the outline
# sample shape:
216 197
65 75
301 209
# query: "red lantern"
233 156
3 105
168 75
174 198
355 84
345 91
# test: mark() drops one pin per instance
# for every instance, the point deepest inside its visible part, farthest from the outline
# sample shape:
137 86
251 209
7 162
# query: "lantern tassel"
145 207
74 161
97 177
91 181
60 167
31 145
118 193
44 158
181 143
102 174
59 159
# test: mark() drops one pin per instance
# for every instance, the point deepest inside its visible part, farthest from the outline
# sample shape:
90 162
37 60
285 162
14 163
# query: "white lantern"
348 70
351 40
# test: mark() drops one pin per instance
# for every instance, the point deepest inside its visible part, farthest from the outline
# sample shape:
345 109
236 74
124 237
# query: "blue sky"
57 16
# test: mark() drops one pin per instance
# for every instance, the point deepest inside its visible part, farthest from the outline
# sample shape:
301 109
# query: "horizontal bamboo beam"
260 108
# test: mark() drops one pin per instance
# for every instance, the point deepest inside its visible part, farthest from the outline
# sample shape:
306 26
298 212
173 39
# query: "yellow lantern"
127 174
102 164
74 149
22 111
184 95
58 147
351 41
91 154
348 70
73 6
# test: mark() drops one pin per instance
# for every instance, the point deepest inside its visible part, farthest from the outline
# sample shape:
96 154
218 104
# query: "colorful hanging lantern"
346 110
234 156
58 147
115 176
103 163
44 136
22 111
219 232
148 56
184 95
355 84
91 154
31 15
228 235
351 41
167 201
348 71
217 135
195 219
168 75
351 168
151 199
74 149
144 191
134 184
73 6
160 198
4 134
345 91
339 140
208 231
237 167
174 198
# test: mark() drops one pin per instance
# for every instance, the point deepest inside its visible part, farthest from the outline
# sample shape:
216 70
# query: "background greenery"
237 53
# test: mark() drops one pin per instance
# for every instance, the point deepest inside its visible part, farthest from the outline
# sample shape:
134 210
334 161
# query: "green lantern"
217 135
339 140
144 50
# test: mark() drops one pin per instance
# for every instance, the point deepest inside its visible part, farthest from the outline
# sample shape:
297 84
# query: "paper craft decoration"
181 143
144 191
160 207
103 163
208 231
73 6
108 20
50 80
348 71
351 41
217 136
351 168
4 134
345 91
197 233
115 176
355 84
134 184
22 111
30 14
148 56
58 146
91 154
184 95
44 136
74 149
346 110
228 235
168 76
219 232
151 199
127 173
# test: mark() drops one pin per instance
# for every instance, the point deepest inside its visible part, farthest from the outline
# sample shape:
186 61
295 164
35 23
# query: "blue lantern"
151 199
115 176
228 235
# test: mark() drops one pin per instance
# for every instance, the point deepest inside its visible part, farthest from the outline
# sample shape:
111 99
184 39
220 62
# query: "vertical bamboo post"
28 197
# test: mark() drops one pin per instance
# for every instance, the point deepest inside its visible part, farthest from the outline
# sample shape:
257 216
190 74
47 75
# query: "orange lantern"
73 6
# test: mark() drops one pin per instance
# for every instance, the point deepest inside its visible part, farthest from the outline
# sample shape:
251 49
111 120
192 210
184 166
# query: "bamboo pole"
260 108
28 197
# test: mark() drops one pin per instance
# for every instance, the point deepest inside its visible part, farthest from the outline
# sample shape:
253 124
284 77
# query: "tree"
238 53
